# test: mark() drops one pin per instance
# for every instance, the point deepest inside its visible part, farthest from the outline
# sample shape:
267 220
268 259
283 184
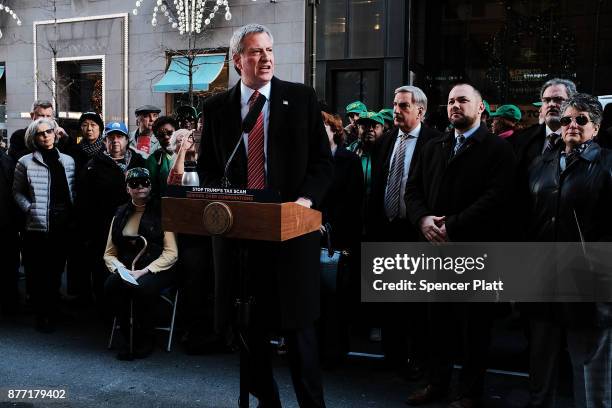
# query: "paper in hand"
124 273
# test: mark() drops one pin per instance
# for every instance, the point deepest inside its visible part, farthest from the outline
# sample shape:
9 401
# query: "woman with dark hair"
43 187
91 142
571 197
159 162
149 261
342 222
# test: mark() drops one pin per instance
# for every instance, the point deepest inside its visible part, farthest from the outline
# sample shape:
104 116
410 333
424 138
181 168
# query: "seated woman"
140 217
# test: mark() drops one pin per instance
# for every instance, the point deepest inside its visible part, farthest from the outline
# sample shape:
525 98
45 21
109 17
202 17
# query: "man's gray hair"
418 96
237 40
41 103
30 132
585 103
570 86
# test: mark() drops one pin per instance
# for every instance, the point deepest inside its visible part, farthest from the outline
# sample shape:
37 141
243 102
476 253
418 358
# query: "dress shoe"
466 403
425 395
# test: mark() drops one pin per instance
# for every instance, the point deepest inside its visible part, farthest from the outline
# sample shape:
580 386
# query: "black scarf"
123 163
91 149
59 200
576 151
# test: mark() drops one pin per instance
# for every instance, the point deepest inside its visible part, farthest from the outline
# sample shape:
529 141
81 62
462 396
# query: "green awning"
205 69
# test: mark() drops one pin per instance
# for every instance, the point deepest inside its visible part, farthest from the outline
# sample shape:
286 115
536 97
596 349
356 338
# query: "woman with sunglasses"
571 197
160 162
150 262
44 190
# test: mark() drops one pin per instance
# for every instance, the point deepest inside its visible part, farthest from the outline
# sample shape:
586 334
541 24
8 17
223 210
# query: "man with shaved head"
459 192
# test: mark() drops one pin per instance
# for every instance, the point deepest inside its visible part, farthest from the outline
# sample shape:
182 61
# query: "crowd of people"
77 204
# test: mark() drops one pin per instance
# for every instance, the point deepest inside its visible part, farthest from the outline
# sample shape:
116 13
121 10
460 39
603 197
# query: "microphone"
247 124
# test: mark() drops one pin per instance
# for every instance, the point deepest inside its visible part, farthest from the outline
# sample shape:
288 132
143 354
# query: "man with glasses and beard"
533 141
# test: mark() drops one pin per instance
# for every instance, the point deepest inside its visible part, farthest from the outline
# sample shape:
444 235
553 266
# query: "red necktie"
255 154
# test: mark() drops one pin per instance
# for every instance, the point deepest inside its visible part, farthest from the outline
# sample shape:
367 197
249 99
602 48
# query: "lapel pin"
285 102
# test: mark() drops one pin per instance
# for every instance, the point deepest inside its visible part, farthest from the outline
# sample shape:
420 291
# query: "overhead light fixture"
12 13
188 16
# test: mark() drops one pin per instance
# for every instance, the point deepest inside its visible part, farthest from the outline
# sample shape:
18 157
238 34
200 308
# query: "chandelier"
9 11
188 16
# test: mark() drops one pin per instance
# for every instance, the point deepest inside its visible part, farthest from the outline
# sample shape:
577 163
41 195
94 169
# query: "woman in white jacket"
44 190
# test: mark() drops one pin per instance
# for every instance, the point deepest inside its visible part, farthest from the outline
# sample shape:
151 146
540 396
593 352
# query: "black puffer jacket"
583 192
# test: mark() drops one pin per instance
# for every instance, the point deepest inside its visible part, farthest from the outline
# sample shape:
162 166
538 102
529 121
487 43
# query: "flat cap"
141 110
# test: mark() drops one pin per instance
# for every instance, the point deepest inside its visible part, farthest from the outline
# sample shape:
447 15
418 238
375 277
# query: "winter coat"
101 191
582 192
32 188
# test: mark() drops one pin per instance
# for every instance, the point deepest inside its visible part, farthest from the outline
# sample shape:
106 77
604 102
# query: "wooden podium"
237 219
245 215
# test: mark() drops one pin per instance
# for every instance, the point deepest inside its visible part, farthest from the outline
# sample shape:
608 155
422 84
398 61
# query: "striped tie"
459 144
394 182
551 142
255 154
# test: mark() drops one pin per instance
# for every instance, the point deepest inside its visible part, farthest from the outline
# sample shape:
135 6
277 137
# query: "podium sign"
235 213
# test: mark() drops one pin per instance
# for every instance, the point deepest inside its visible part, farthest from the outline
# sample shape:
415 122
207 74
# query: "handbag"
332 264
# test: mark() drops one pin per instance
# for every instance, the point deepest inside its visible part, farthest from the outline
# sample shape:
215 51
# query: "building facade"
506 48
97 55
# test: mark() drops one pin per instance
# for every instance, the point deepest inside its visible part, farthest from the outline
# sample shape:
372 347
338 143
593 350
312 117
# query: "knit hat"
92 116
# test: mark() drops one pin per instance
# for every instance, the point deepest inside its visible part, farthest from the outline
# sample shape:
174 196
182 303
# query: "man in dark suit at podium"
286 150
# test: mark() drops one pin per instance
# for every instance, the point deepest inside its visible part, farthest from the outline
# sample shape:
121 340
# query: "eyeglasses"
556 99
49 131
139 182
581 120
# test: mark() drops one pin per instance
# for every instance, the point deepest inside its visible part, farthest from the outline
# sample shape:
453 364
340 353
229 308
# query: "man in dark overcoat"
394 158
458 192
294 159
